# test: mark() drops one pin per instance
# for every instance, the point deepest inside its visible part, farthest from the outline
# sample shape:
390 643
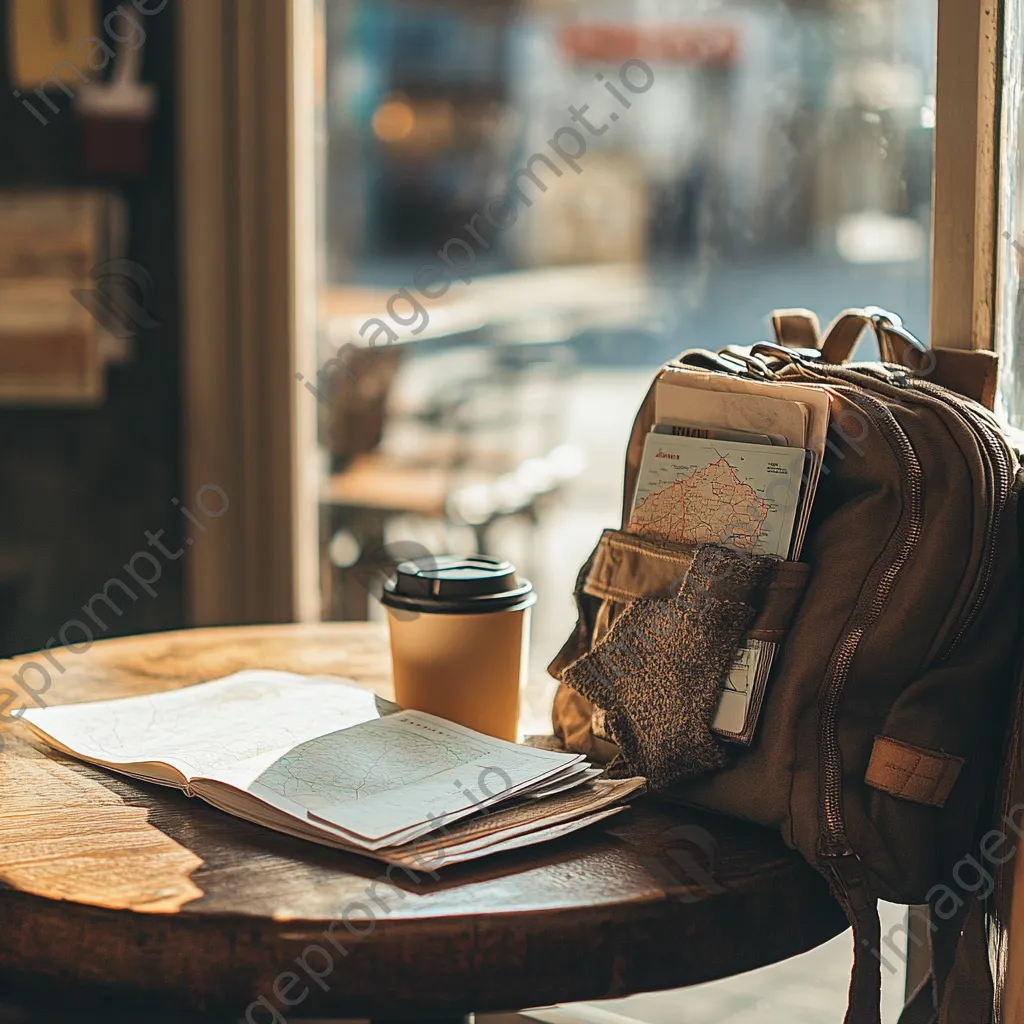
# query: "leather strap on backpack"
958 989
895 345
851 887
796 328
971 373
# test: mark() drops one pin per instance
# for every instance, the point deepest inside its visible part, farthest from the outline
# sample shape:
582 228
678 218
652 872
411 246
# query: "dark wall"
79 487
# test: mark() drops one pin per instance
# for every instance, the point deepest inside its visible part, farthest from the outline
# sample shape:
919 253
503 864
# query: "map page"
382 781
743 496
250 717
697 490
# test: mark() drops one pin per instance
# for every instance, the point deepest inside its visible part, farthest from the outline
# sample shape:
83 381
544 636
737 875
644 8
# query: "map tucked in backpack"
808 618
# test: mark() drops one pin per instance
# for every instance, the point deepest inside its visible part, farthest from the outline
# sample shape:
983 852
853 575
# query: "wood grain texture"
108 886
964 243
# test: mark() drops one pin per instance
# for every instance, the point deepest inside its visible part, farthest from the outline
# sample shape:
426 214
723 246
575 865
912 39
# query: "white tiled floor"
808 989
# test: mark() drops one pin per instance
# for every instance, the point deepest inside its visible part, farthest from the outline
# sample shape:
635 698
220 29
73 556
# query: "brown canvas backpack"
884 728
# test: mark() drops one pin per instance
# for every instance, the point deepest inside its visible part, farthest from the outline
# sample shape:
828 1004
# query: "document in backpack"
743 496
797 412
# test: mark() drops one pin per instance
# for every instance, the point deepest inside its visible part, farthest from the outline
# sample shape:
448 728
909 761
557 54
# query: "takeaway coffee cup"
460 632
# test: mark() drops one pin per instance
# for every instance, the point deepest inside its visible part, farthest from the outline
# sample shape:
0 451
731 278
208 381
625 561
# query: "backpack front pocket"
660 625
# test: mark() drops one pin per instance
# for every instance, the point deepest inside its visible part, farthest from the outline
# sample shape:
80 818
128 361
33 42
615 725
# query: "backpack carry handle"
895 343
797 329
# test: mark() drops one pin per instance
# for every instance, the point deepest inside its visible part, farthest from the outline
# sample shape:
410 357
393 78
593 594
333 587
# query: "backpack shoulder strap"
852 888
959 987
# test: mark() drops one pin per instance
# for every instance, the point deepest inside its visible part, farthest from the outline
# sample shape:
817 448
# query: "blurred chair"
482 442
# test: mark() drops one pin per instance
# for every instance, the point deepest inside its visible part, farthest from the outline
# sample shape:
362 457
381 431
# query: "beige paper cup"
460 634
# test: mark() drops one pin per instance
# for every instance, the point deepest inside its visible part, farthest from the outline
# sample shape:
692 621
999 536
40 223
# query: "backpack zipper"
977 423
836 842
1001 460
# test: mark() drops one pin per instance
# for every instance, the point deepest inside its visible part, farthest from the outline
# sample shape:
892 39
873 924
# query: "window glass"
526 208
1009 295
759 154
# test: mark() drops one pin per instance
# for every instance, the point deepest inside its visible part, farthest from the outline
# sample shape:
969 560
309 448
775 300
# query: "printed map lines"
709 504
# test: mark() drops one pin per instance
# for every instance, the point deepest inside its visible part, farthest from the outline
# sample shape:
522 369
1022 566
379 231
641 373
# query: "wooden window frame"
964 201
964 226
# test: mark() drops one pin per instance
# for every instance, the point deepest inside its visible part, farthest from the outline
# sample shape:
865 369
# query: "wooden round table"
114 893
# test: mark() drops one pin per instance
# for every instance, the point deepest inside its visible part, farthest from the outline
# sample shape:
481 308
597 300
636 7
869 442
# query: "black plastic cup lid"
457 586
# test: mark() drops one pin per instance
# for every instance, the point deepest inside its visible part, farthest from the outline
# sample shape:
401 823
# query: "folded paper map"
701 491
743 496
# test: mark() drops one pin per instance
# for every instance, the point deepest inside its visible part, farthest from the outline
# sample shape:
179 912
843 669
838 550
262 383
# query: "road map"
744 496
354 764
698 491
394 774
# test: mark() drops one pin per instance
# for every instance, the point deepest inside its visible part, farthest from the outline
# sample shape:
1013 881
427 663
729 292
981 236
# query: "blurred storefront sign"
701 45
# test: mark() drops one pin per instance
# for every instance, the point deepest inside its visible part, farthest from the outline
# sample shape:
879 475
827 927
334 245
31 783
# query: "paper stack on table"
735 462
313 757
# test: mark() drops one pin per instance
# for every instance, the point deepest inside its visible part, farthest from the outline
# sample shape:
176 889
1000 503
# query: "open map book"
315 758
